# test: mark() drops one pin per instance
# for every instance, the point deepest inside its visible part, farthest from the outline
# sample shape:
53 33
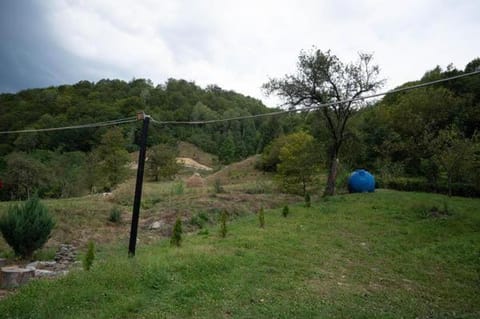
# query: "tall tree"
162 162
299 162
113 158
24 174
454 152
322 78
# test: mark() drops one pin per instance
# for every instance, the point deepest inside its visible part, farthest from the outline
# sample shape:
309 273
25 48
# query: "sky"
237 45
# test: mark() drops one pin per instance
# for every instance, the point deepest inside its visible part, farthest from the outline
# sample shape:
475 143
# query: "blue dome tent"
361 181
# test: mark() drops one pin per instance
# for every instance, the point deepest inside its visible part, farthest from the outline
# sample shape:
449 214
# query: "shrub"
178 189
285 211
199 220
434 211
26 227
223 224
217 187
421 185
115 215
176 239
89 256
261 218
307 200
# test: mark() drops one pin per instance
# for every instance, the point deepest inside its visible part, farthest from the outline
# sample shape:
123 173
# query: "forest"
426 139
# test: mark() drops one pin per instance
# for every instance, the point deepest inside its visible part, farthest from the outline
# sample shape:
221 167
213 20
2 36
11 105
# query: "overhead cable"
134 119
72 127
361 98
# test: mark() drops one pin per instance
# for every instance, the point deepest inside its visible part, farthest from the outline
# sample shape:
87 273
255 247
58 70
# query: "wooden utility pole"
138 186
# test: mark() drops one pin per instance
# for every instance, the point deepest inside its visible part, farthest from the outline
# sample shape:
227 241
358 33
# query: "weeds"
426 211
285 211
176 239
307 200
177 189
261 218
217 187
223 224
199 220
89 256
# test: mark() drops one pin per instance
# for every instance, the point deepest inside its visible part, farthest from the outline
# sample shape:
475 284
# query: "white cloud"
240 44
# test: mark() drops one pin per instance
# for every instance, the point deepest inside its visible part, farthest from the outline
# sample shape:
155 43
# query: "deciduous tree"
299 162
162 162
322 78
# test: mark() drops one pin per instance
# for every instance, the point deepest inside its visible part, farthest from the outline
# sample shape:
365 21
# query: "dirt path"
188 162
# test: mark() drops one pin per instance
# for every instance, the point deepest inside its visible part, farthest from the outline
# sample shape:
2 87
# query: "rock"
13 276
156 225
46 264
40 273
32 265
66 254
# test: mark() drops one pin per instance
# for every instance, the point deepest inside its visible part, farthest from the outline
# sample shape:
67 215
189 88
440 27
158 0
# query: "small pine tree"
307 200
89 256
176 239
285 211
261 218
26 227
217 187
115 215
223 224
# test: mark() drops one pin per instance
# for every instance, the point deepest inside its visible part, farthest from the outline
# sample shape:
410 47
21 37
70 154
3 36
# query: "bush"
261 218
115 215
177 189
89 256
199 220
307 200
285 211
410 184
26 227
223 224
217 187
176 239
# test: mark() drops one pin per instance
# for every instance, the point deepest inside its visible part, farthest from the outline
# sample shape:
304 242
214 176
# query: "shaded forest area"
72 162
426 139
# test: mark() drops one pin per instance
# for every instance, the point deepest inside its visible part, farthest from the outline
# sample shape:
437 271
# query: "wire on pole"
319 106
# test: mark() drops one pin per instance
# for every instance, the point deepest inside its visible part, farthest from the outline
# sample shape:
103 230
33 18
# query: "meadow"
387 254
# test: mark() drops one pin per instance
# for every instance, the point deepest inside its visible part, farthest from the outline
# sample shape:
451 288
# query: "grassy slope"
84 218
353 256
186 149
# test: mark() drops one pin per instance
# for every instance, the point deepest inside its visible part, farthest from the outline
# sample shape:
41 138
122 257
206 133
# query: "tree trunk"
12 277
332 175
449 185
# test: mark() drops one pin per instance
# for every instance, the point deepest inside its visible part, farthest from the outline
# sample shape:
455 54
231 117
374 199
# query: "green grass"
352 256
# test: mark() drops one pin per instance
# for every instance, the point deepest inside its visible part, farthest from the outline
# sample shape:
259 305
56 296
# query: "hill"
79 219
106 100
189 150
383 255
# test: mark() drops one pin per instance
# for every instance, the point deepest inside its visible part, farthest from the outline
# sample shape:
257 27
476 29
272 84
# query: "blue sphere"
361 181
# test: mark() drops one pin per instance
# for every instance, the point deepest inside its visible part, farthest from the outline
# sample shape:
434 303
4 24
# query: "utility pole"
139 183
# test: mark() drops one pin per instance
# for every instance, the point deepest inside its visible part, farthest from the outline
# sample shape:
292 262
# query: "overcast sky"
237 45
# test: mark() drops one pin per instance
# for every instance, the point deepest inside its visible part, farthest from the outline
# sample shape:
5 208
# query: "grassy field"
382 255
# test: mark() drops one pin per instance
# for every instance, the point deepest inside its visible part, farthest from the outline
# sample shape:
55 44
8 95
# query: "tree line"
72 162
425 139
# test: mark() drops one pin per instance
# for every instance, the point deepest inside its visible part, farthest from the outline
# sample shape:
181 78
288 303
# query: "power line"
134 119
73 127
362 98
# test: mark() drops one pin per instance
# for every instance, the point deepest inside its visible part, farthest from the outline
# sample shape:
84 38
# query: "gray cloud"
237 45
